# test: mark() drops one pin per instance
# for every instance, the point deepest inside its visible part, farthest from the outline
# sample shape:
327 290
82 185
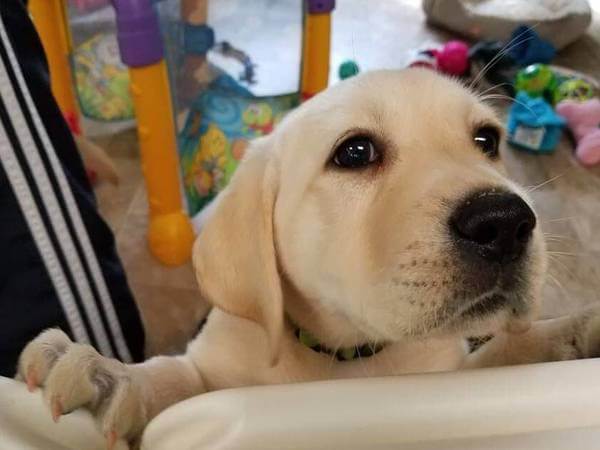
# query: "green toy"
537 80
348 69
573 89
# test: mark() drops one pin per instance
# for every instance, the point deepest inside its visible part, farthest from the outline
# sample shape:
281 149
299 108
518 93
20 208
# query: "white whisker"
558 284
536 187
563 266
560 219
509 99
507 48
496 86
564 253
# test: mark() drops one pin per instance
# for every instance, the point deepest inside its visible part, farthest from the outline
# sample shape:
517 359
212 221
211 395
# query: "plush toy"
452 58
527 47
533 125
583 119
537 80
573 89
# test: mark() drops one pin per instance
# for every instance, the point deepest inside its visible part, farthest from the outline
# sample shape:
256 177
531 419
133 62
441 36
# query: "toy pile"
547 98
502 60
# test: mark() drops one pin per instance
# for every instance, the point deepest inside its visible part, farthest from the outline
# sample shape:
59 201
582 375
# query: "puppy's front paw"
587 335
76 376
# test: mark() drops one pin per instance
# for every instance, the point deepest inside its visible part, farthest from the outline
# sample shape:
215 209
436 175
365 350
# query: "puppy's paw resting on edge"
564 338
121 397
586 334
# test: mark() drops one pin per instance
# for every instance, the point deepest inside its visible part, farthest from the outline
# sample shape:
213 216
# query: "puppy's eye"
487 139
355 153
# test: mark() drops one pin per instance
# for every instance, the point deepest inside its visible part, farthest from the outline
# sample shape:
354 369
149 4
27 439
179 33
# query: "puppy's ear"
234 255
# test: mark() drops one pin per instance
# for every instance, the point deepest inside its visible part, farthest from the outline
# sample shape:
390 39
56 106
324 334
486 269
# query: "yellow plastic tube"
170 234
316 49
50 19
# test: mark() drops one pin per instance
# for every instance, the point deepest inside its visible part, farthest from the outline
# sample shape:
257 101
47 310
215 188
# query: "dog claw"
111 439
56 409
31 380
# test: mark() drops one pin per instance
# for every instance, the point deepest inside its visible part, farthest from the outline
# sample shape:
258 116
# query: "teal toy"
573 89
537 80
533 125
348 69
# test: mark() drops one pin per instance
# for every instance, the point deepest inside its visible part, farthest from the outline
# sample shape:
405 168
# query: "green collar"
342 354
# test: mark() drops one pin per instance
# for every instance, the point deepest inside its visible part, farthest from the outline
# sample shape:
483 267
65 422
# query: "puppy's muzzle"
492 226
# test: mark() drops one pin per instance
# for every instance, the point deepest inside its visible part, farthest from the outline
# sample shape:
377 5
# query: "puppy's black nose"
493 225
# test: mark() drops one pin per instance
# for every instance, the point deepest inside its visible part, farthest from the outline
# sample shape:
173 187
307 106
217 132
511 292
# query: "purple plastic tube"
138 32
320 6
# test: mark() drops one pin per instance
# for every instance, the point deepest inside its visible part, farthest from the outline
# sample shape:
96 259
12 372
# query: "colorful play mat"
102 80
220 122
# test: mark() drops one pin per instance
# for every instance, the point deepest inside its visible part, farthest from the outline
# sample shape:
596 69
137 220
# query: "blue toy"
533 125
526 47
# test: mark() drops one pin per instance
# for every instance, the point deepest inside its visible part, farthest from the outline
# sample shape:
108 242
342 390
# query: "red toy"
452 58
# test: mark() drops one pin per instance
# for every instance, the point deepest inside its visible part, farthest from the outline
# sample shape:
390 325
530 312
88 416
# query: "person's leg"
58 263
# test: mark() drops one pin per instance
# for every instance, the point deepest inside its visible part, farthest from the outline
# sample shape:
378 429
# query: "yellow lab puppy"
370 234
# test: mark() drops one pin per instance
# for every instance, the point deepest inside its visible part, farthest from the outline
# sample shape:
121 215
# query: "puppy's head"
383 206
